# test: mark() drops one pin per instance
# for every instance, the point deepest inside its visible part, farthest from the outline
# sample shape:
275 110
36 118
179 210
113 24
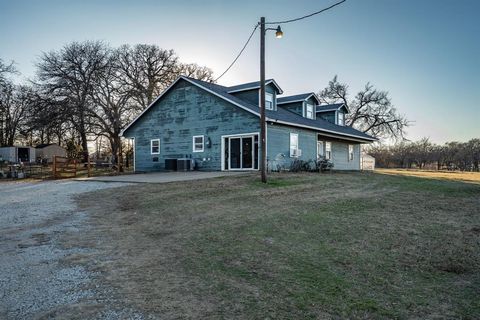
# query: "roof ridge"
298 94
249 82
206 82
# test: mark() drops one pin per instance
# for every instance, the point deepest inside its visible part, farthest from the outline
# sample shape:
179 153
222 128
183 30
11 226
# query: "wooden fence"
64 167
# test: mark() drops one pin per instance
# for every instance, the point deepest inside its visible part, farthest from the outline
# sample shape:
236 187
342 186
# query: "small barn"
46 152
18 154
367 162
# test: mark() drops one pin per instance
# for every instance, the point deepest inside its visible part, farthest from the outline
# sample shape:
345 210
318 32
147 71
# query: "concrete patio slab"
163 177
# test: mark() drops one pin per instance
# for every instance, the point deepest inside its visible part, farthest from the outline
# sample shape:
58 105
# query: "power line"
308 15
240 53
276 22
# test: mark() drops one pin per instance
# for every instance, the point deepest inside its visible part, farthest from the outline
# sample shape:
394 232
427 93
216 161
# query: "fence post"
54 167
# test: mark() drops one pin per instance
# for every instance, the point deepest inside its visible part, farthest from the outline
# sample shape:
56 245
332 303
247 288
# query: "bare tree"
451 156
6 70
69 75
114 107
6 96
371 111
15 102
148 70
48 118
193 70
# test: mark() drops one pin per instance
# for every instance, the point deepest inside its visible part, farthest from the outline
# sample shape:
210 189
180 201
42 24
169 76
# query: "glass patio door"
240 153
235 155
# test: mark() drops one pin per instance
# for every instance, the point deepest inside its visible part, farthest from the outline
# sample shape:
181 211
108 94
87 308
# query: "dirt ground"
36 280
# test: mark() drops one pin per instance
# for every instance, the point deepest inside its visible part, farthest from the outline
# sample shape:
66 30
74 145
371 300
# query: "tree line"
85 91
89 91
424 154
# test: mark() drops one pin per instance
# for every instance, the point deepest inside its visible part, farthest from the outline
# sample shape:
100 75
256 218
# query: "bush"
323 164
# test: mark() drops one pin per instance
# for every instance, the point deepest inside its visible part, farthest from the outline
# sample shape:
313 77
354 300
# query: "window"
294 145
328 150
155 146
350 152
309 111
198 143
320 152
268 101
341 118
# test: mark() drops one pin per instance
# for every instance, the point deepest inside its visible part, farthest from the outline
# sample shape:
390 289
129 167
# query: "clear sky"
425 53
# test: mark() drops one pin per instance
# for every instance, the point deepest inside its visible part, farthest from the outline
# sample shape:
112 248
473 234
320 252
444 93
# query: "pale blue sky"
425 53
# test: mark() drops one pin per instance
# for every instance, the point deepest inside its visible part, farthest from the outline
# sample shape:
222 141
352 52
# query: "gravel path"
33 281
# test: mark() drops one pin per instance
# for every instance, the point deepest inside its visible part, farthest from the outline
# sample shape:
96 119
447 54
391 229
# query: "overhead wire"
274 22
240 53
308 15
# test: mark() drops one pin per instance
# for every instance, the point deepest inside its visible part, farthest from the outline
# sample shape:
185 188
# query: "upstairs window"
309 111
350 152
341 119
268 101
198 143
155 146
294 145
328 150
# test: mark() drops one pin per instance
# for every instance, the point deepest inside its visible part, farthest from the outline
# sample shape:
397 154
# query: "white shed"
48 151
367 162
18 154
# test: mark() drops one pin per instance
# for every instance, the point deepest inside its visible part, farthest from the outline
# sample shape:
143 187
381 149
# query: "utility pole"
263 128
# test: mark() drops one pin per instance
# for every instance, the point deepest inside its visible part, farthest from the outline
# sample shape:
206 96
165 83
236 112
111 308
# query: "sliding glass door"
241 153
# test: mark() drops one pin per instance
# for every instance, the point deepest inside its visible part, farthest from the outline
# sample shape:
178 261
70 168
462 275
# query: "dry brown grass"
470 177
346 245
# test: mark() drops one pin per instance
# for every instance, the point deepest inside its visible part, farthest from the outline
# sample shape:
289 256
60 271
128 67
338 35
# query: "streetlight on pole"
263 127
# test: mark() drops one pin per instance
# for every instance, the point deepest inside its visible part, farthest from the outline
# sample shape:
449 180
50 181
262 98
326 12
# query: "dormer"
334 113
251 92
304 104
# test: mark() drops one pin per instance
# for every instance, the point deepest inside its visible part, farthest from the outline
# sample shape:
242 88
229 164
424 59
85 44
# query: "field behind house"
348 245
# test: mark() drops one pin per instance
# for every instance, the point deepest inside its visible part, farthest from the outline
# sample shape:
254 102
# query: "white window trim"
351 153
274 100
320 144
297 146
329 151
151 146
338 118
241 135
306 110
193 143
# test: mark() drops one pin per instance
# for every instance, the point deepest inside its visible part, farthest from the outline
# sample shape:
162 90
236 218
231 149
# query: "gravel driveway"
34 282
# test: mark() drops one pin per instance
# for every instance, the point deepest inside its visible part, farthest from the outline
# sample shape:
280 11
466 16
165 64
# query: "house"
17 154
47 151
218 128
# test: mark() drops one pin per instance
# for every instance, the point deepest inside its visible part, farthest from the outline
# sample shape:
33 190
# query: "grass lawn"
340 245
